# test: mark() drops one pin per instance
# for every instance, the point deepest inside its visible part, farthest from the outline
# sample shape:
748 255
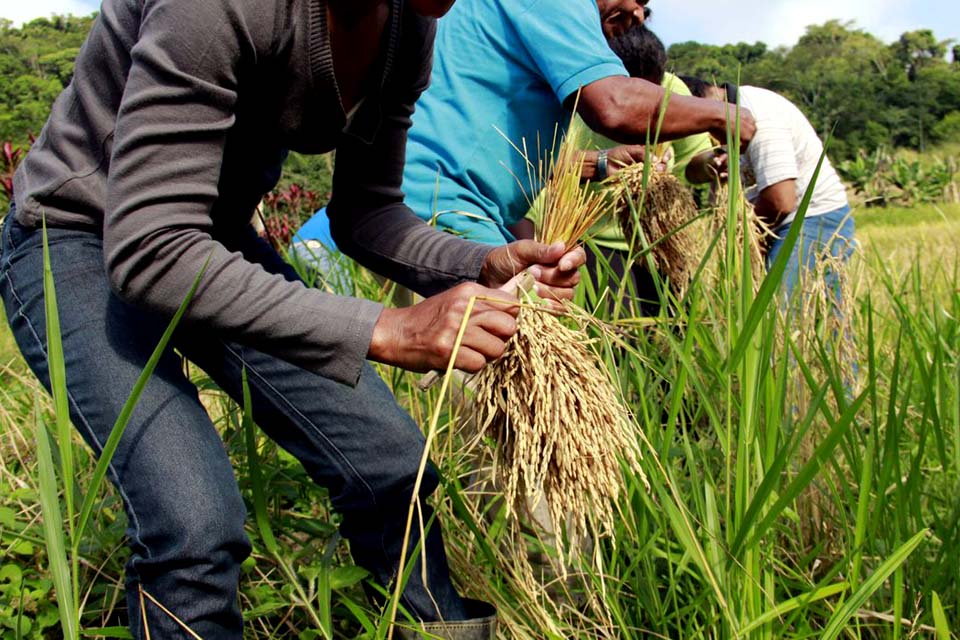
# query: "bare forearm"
776 202
628 110
588 166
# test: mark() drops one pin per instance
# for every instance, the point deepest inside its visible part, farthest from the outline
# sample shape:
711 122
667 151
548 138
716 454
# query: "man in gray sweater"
176 123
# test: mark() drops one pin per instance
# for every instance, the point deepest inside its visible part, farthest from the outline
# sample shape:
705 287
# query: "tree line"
860 91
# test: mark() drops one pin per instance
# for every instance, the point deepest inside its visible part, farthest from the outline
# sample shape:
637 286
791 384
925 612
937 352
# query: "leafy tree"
948 129
36 63
853 87
916 50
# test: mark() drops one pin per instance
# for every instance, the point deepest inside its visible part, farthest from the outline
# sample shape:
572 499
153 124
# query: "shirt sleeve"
565 41
368 217
177 108
771 154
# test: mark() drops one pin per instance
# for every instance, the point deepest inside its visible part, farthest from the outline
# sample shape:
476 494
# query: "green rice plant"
726 546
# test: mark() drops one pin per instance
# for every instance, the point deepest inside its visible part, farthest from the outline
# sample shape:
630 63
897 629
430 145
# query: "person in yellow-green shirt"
691 159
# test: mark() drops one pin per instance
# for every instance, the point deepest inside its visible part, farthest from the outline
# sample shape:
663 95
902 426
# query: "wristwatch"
602 165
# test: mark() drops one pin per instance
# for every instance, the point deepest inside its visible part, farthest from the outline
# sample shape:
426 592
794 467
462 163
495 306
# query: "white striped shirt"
786 147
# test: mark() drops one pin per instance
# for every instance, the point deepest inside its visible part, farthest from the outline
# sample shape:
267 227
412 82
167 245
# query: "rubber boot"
482 625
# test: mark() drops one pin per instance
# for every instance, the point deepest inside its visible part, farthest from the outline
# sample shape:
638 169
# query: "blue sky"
782 22
775 22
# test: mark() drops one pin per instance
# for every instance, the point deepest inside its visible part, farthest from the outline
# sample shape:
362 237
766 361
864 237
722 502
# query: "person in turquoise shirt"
506 76
689 158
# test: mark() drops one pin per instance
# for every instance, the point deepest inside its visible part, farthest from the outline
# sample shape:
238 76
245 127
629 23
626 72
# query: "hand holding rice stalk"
560 428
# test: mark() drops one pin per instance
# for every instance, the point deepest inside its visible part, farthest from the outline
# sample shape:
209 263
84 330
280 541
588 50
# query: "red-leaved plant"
284 210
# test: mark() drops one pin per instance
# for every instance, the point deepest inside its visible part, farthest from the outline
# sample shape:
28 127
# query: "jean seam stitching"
307 420
339 453
86 424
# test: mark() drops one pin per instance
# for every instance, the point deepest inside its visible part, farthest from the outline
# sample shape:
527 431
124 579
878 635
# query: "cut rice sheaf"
659 209
560 430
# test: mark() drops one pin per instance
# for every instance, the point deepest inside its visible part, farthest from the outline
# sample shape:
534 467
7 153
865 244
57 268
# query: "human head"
642 52
703 89
618 16
431 8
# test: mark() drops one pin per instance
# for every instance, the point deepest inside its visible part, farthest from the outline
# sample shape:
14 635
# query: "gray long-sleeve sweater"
176 123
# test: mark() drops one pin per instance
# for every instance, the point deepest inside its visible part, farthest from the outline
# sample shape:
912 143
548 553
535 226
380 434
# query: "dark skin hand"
422 337
554 268
709 166
617 158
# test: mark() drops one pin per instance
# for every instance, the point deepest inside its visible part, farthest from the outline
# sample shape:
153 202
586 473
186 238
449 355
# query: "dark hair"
642 52
697 86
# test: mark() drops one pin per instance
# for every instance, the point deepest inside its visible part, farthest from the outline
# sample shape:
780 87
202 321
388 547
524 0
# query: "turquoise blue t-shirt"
502 70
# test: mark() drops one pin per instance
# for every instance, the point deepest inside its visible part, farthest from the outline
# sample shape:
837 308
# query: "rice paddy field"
799 479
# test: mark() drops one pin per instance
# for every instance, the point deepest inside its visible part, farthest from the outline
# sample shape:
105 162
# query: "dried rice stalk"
556 417
758 232
667 210
567 208
560 427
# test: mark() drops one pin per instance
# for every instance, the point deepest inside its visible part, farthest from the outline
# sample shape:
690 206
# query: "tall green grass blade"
899 599
771 283
123 419
359 614
835 626
56 366
325 590
58 383
807 473
774 474
108 632
940 618
792 604
254 471
53 534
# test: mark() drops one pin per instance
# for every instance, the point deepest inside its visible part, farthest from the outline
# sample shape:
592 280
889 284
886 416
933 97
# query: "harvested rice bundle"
560 427
667 210
551 408
757 232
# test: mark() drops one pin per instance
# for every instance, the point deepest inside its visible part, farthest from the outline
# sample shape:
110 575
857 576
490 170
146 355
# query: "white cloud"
20 12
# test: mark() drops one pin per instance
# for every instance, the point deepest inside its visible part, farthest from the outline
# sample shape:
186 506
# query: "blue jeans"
185 512
831 233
